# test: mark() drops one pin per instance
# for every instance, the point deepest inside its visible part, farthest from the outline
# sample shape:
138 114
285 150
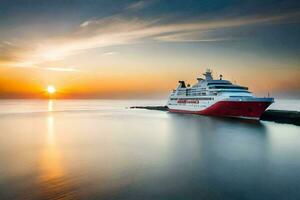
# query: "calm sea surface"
100 149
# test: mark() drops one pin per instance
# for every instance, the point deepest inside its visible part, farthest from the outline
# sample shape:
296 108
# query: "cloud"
193 36
111 53
10 51
86 23
57 69
60 69
139 5
118 30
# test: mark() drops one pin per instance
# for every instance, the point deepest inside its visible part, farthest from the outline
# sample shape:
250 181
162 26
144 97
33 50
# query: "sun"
51 89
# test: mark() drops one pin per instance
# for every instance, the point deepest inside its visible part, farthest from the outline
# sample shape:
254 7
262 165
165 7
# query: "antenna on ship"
208 75
221 76
233 80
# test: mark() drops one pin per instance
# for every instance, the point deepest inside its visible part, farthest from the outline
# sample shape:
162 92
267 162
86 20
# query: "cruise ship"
217 97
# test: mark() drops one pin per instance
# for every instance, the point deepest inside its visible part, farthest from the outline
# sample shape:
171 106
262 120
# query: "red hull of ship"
242 109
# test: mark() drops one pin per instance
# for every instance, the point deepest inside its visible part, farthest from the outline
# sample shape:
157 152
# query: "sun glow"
51 89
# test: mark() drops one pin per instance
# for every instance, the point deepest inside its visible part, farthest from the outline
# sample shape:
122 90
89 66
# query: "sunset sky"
140 49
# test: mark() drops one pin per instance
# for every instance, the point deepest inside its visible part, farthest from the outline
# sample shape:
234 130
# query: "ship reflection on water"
91 149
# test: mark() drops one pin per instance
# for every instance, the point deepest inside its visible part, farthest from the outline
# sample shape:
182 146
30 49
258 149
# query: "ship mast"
208 75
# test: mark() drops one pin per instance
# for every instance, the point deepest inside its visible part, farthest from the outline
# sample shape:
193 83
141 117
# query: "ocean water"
101 149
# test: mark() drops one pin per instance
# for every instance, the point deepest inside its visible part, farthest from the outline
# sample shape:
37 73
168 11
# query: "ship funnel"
181 84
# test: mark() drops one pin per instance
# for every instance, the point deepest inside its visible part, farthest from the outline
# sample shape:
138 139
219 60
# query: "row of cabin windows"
192 93
203 93
219 83
228 87
201 98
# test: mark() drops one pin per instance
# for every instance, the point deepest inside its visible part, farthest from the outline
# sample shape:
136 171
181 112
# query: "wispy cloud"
111 53
117 30
193 36
56 69
85 23
61 69
139 5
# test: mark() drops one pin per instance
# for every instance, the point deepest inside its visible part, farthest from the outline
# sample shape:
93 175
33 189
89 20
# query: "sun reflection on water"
52 179
50 106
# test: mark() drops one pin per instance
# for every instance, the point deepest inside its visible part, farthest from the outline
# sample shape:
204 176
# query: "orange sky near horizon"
24 83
